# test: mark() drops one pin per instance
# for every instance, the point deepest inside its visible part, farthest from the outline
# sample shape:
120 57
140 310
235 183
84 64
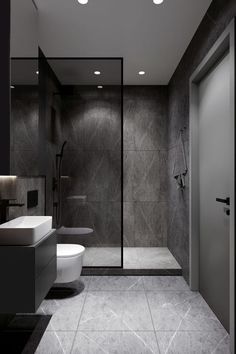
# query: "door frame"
225 43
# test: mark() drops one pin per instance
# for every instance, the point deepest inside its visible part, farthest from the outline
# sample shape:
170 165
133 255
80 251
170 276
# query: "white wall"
24 29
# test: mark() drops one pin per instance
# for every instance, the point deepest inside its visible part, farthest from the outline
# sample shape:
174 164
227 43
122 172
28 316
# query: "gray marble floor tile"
167 283
85 280
175 310
149 258
118 283
56 343
216 342
65 312
102 257
119 311
115 342
131 260
156 258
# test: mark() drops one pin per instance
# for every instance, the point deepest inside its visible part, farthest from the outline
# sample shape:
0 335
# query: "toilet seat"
69 250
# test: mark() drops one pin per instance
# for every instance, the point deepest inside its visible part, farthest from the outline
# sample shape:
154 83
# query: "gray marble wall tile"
91 122
145 166
128 175
24 131
150 228
103 217
129 224
23 185
24 117
145 224
24 163
92 119
145 118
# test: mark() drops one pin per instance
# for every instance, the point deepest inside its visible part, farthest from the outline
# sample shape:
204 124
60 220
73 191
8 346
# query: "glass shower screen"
82 103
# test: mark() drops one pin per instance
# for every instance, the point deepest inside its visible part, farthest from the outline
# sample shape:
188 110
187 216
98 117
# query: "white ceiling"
149 37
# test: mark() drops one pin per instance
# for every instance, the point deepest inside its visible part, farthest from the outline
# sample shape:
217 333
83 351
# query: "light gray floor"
132 315
134 257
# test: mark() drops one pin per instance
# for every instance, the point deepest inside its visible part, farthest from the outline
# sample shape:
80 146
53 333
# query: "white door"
214 183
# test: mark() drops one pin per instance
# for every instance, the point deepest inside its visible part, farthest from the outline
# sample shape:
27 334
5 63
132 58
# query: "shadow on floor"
65 290
23 334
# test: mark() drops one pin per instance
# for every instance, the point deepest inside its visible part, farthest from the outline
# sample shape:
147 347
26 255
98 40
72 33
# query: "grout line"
125 330
86 294
152 321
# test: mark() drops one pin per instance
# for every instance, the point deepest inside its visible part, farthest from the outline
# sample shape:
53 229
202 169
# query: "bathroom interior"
98 175
104 172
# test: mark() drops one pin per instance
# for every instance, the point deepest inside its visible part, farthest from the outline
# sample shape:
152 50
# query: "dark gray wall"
23 185
145 166
91 124
218 16
5 88
49 127
24 130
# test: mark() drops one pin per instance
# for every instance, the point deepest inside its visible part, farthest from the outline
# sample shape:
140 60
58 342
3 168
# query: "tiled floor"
134 257
132 315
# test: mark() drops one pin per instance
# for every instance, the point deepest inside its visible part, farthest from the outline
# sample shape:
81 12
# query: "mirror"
24 117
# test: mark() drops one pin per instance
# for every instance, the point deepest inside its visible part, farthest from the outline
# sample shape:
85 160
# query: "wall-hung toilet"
69 262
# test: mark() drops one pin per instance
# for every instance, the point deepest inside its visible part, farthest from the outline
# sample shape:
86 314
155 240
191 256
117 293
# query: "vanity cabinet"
26 274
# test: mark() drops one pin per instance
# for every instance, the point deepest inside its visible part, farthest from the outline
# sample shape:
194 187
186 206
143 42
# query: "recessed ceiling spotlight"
37 72
97 72
83 2
12 86
158 2
100 86
141 72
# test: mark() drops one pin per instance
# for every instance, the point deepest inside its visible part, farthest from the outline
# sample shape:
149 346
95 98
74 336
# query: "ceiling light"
83 2
141 72
158 2
100 86
97 72
37 72
12 86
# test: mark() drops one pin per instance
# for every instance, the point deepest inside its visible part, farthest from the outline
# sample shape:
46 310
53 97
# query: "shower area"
103 150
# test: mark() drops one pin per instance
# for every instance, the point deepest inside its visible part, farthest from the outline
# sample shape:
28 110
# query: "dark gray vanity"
27 273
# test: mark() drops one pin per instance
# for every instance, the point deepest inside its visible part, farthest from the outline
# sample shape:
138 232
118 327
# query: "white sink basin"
25 230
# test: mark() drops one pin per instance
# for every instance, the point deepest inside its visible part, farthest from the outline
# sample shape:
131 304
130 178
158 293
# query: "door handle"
225 201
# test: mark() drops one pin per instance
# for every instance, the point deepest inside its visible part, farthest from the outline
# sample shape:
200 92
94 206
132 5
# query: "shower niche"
66 125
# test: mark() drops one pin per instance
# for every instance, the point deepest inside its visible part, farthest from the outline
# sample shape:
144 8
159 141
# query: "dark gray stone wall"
49 128
23 185
145 166
5 24
24 130
91 124
218 16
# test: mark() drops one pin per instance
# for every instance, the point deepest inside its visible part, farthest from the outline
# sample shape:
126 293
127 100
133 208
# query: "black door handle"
225 201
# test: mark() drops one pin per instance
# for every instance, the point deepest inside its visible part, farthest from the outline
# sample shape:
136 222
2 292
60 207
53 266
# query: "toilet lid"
67 250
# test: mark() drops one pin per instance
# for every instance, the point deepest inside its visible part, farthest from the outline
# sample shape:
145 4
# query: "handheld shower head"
62 148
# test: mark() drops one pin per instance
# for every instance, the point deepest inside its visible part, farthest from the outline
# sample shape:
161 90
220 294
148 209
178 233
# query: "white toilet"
69 262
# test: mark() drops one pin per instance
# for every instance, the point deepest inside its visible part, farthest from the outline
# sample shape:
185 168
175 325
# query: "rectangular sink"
25 230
